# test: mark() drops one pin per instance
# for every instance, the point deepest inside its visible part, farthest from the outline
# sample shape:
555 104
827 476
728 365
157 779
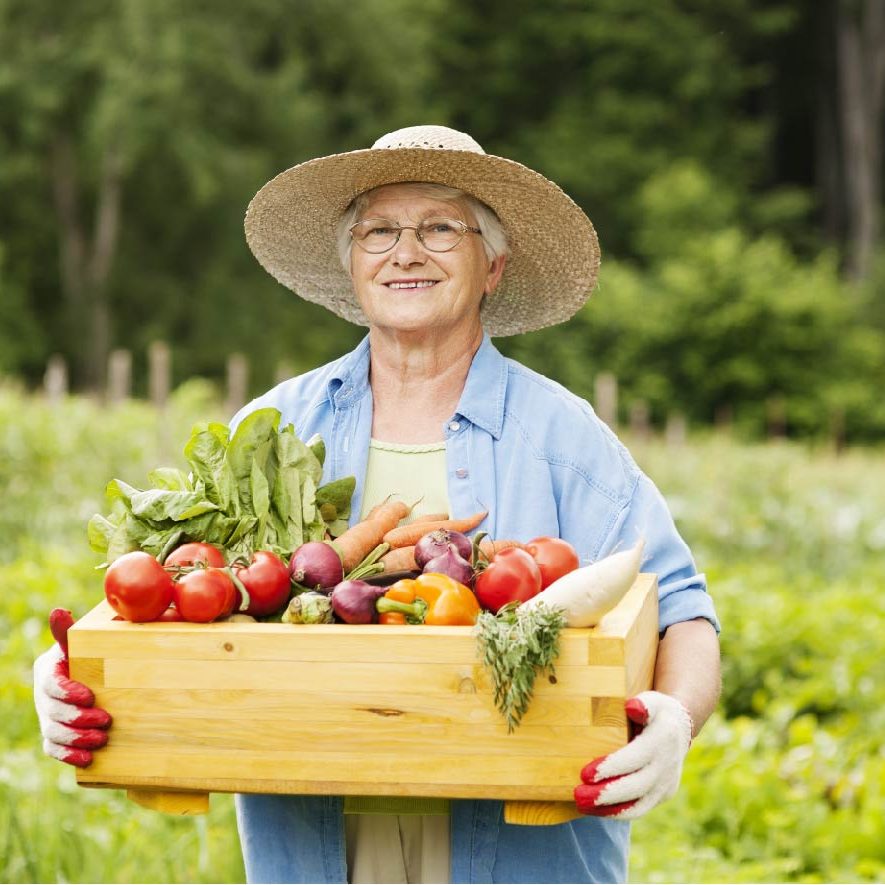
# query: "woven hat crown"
429 138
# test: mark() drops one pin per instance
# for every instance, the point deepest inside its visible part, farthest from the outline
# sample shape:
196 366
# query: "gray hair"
494 237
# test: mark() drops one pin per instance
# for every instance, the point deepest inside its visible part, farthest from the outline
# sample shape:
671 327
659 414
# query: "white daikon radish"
586 594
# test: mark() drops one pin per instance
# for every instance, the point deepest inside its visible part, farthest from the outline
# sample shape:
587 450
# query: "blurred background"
730 154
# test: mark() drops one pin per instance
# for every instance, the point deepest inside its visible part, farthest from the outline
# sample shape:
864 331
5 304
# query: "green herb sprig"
516 647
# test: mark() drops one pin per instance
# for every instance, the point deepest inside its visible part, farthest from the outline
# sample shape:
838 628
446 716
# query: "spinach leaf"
259 489
205 452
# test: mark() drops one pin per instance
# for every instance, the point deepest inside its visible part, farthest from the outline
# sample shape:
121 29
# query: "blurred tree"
133 136
599 95
860 85
20 335
717 319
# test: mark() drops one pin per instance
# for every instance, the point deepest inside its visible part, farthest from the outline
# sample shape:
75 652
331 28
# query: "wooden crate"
352 710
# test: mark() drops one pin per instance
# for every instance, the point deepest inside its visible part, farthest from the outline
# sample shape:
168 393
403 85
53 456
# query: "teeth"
419 284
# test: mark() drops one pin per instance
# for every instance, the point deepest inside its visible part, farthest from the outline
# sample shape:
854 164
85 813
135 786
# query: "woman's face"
411 289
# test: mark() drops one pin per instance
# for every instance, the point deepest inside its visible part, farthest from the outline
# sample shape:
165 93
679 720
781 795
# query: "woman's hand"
71 726
631 781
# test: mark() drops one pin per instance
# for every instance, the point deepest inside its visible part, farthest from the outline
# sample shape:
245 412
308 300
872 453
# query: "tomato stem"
245 600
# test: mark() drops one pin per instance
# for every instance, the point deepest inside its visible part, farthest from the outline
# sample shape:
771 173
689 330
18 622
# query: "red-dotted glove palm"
631 781
71 726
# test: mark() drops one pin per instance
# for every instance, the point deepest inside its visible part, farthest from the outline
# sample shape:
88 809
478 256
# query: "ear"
496 268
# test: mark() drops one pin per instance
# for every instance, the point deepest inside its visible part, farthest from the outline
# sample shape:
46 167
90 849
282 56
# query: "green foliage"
785 784
659 120
20 337
716 319
599 96
56 461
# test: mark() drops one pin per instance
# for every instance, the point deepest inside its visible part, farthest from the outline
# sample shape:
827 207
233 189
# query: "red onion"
452 564
435 543
316 565
354 601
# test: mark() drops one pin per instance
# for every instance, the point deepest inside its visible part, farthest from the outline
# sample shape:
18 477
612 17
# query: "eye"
440 226
380 230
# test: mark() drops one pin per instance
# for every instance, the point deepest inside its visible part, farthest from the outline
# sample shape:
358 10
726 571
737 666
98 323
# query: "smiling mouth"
412 284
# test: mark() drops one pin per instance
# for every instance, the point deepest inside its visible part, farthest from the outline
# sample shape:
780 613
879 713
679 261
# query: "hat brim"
554 252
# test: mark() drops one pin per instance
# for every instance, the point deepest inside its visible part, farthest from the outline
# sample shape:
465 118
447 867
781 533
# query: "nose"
408 251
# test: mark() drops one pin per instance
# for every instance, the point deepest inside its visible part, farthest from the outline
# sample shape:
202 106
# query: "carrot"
490 547
405 535
430 517
400 559
360 540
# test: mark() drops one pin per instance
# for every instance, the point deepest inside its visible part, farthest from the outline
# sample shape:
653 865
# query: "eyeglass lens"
381 234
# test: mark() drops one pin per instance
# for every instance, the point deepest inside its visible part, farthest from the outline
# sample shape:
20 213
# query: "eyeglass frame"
466 229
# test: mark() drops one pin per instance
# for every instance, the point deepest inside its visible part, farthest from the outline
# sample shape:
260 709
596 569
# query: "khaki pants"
397 848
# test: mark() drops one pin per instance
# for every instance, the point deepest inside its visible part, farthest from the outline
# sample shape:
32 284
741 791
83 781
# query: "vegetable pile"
521 641
259 490
250 532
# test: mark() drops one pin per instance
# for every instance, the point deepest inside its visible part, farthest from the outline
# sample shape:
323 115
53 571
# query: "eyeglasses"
377 235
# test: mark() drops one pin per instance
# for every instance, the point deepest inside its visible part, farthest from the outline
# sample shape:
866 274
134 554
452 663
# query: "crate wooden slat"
368 710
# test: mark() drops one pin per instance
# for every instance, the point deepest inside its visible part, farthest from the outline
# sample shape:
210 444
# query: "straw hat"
554 253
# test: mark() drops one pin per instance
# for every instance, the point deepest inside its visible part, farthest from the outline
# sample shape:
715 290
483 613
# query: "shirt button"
454 425
461 473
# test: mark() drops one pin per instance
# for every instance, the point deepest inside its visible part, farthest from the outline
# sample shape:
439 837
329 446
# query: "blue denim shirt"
541 462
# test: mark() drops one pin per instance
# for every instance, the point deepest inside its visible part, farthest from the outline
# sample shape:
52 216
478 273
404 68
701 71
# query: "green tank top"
413 473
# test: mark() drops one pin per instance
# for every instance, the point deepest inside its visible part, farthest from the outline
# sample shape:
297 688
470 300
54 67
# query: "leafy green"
255 490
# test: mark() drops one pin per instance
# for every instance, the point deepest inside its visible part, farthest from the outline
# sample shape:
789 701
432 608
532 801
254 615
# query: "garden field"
785 784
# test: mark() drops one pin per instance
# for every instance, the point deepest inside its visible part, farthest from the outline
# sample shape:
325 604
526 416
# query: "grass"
785 784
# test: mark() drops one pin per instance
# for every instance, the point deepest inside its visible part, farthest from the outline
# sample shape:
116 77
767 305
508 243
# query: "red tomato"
554 556
205 594
196 552
171 614
512 576
137 587
267 580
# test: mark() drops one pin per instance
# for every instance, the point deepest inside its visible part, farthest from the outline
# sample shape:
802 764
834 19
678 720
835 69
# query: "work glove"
71 726
631 781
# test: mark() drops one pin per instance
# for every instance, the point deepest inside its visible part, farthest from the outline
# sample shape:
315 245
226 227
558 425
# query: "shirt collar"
482 400
350 377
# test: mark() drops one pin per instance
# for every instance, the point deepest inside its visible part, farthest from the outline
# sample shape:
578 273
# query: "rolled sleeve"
682 590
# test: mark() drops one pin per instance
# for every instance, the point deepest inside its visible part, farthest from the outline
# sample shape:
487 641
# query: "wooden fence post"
676 431
55 380
723 419
119 376
237 382
605 397
159 373
776 417
837 429
639 420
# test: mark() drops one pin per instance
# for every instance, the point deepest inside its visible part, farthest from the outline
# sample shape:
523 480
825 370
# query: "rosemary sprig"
515 647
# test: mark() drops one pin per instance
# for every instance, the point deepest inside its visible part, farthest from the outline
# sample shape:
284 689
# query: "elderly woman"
436 247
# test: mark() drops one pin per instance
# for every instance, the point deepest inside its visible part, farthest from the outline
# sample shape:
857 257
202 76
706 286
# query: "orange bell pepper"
431 599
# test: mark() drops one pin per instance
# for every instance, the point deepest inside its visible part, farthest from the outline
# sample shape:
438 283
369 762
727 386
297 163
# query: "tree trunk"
104 245
86 267
860 64
72 245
